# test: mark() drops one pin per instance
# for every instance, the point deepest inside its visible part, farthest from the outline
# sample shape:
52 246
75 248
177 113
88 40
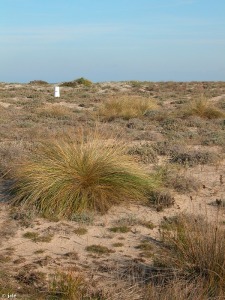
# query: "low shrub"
80 81
193 157
144 152
38 82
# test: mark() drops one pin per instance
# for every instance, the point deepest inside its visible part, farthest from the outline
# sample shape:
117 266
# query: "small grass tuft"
31 235
34 236
98 249
117 244
120 229
80 231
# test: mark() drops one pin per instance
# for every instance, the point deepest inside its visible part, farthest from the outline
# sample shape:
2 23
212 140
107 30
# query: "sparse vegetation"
123 237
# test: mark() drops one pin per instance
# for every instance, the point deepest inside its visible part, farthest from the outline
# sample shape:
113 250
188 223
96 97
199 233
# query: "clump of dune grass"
68 285
204 109
194 250
54 111
126 107
68 176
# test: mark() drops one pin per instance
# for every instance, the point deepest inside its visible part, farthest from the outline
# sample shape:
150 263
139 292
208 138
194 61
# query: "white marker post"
57 92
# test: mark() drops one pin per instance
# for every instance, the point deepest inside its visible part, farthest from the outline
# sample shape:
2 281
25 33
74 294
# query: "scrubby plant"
80 81
126 107
203 108
194 249
193 157
38 82
67 176
144 152
161 199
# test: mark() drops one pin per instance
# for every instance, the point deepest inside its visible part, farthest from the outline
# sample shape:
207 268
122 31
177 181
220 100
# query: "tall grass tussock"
126 107
69 176
203 108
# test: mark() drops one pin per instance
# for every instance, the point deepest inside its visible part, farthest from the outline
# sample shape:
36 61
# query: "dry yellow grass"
54 111
126 107
204 109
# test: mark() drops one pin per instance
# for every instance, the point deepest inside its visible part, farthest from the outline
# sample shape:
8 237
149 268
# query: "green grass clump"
99 249
126 107
34 236
80 231
66 177
30 235
120 229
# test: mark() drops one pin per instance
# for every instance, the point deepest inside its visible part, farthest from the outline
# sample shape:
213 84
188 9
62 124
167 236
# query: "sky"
112 40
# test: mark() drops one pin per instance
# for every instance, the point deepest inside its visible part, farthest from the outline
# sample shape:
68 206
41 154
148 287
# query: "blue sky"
112 40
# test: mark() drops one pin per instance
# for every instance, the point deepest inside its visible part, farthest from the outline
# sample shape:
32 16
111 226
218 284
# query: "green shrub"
77 82
38 82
